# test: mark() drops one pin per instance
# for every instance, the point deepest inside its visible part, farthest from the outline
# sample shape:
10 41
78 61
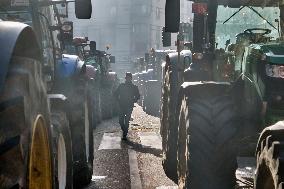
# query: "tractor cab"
262 69
253 61
248 37
178 63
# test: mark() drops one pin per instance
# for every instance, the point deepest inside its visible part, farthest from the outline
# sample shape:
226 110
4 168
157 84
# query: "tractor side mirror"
112 59
83 9
172 16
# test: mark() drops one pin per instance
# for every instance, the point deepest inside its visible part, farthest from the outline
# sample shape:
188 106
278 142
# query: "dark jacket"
127 94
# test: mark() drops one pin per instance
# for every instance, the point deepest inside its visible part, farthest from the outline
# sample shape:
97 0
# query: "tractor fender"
16 39
276 131
69 65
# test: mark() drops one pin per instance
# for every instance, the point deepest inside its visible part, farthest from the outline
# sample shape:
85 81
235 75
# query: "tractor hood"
274 53
69 66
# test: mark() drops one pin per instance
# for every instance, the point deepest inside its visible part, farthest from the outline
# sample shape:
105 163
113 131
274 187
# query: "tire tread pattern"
209 144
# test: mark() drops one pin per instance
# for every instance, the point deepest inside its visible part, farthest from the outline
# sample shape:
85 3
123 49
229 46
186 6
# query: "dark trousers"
124 118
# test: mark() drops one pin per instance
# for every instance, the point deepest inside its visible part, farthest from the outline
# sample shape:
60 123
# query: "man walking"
127 94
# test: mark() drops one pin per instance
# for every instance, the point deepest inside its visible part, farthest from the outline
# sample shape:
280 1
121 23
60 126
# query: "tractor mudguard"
277 131
69 66
16 39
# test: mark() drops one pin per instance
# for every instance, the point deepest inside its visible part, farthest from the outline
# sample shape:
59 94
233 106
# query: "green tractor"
105 81
230 93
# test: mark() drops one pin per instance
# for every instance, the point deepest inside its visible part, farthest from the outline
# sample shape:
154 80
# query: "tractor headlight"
274 71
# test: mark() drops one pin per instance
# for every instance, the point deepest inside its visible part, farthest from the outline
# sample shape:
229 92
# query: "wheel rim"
87 137
40 169
62 166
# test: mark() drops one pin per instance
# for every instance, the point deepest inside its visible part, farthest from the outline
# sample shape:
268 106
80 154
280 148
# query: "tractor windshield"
245 18
70 49
91 61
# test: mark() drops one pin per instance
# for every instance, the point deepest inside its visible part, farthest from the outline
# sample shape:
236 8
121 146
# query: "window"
243 20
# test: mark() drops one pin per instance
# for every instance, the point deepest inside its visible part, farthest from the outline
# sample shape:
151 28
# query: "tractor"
76 46
104 80
109 82
149 78
39 145
153 86
172 80
223 105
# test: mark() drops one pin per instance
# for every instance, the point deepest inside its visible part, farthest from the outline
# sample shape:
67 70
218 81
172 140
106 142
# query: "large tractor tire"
207 133
169 125
62 147
83 145
270 158
25 134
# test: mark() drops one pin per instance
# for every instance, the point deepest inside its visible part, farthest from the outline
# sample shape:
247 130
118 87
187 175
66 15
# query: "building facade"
129 27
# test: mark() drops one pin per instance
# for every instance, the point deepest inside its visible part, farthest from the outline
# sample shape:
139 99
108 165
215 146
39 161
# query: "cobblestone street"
137 163
132 164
